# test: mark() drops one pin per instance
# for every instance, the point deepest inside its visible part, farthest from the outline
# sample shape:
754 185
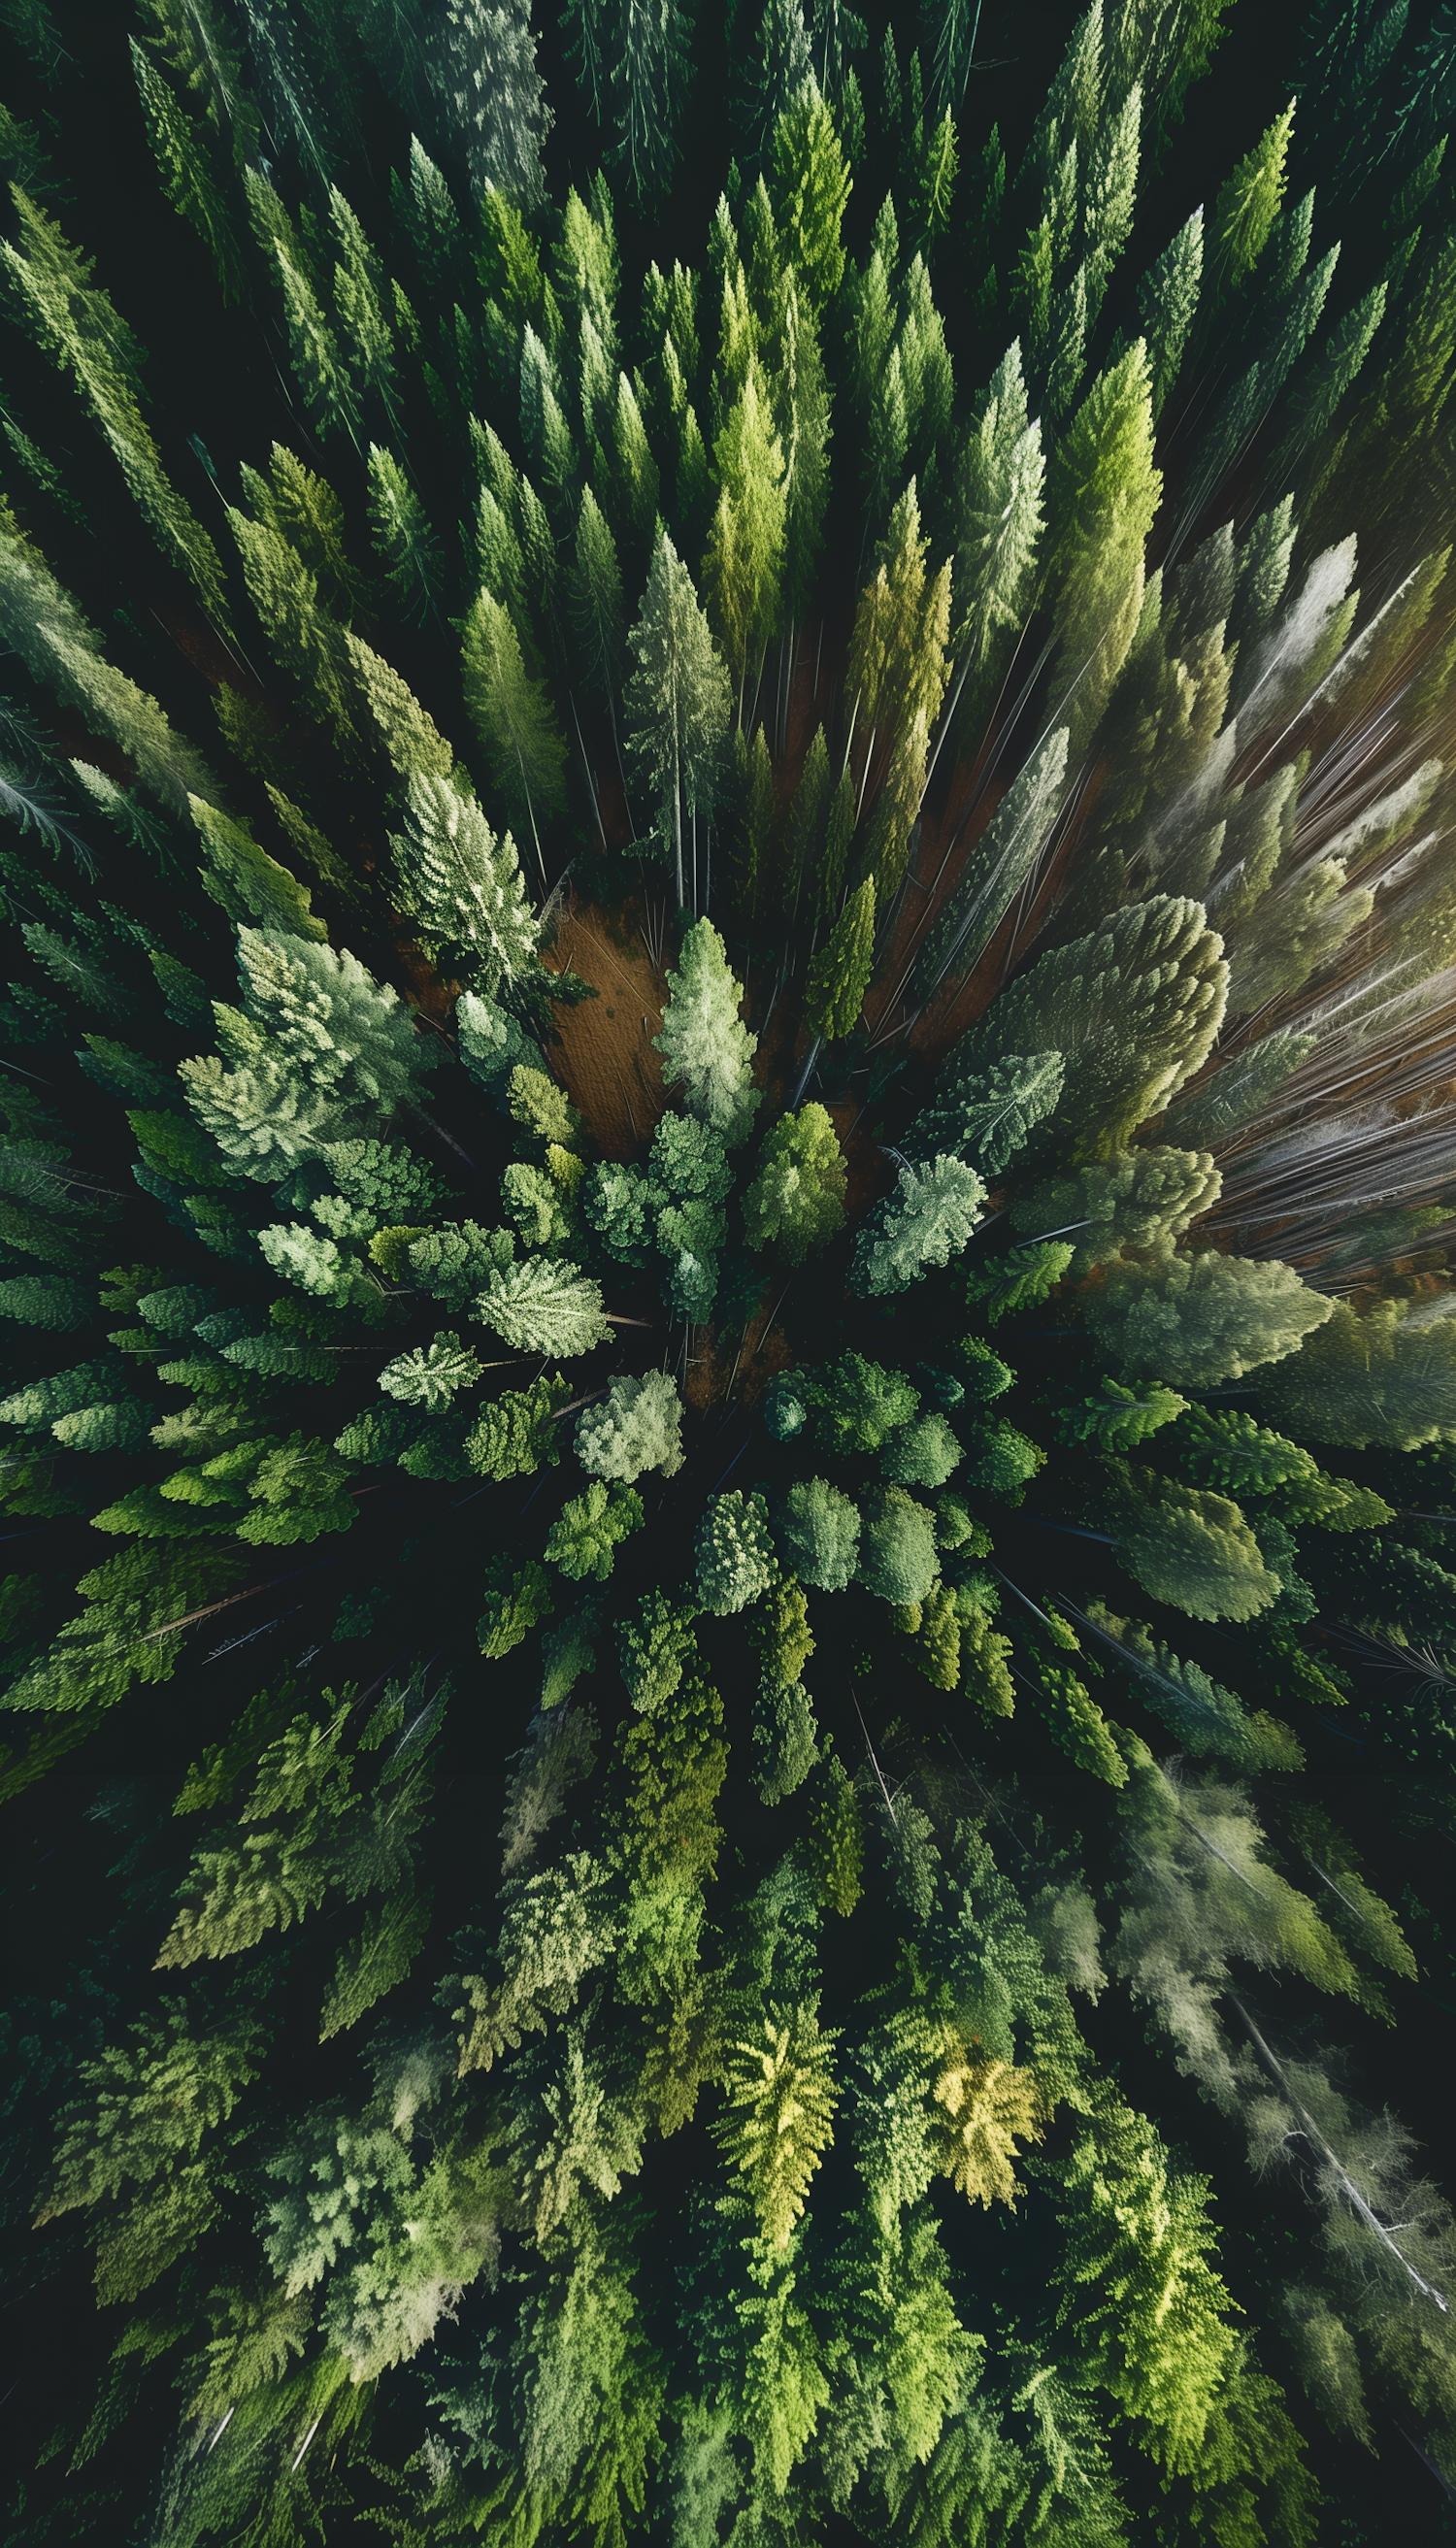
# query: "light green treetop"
735 1553
544 1306
926 1221
743 565
1193 1320
640 1427
703 1043
796 1199
1133 1009
462 887
811 186
781 2099
319 1052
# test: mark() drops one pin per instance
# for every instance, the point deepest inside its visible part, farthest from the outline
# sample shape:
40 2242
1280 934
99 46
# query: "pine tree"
1245 210
735 1558
543 1306
651 76
62 651
839 976
811 189
313 349
306 637
743 569
512 716
818 1529
897 1559
1004 475
147 2106
752 849
402 537
583 1542
931 1214
407 732
1102 499
1168 301
84 335
317 1050
359 298
187 172
305 509
836 1840
462 887
677 703
796 1199
596 607
1171 2346
640 1427
245 881
807 821
703 1043
936 189
482 63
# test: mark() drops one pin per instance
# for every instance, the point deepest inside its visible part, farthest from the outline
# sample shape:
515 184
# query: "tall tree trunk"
677 821
591 774
810 1057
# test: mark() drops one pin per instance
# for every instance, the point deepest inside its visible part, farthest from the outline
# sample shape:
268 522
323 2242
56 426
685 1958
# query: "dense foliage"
760 1705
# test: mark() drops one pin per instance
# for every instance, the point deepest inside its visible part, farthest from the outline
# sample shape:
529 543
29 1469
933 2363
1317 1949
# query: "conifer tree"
930 1214
743 566
1103 495
796 1199
596 605
1245 210
811 188
84 335
187 171
482 63
1167 299
839 973
513 718
649 75
462 887
403 536
678 701
703 1043
781 2100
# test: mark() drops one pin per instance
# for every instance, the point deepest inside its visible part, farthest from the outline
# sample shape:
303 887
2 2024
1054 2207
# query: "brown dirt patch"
605 1059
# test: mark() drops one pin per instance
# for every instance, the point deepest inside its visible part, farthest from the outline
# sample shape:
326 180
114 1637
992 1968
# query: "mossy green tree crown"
772 1690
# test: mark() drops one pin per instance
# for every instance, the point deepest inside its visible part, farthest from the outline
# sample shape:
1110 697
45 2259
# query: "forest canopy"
729 1395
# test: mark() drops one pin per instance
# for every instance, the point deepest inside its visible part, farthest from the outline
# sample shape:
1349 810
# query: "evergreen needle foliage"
725 1266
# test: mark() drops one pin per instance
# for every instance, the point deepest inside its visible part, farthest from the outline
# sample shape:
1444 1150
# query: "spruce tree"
482 63
743 566
703 1043
678 701
402 537
462 887
651 75
187 171
513 718
839 973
